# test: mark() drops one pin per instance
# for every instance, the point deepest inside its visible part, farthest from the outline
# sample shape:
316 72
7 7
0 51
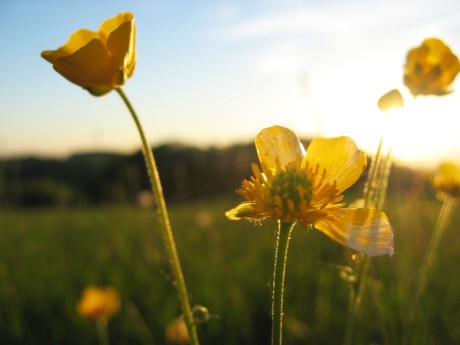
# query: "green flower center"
292 184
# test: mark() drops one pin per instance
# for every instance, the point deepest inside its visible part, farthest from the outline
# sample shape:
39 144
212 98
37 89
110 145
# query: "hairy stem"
283 236
163 216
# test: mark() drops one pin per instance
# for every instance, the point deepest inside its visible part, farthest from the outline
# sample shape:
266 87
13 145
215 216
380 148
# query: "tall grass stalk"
283 235
374 195
442 222
163 216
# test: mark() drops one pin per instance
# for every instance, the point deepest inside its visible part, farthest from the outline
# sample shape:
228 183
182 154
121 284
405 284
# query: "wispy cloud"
301 22
339 19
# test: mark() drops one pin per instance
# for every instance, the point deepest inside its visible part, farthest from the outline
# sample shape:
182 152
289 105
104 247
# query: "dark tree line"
186 172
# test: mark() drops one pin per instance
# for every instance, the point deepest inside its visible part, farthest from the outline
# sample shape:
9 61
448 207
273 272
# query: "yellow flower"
98 61
430 68
176 332
99 302
447 180
294 186
390 100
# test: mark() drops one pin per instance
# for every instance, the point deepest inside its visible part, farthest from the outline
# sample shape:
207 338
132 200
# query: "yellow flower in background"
446 180
431 68
390 100
176 332
294 186
98 61
99 302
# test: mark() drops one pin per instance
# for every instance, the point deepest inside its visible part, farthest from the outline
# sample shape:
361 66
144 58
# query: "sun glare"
425 132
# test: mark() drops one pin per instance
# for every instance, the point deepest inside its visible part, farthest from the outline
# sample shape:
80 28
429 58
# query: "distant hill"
105 177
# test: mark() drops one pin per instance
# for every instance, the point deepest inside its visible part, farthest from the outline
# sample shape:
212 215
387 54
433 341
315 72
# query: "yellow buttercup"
97 302
307 187
446 180
98 61
430 68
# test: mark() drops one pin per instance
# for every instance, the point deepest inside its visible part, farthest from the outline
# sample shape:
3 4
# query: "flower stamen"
291 190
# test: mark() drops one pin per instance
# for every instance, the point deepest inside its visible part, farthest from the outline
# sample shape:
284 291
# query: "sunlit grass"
48 256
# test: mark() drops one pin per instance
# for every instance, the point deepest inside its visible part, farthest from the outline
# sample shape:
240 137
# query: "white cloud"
303 22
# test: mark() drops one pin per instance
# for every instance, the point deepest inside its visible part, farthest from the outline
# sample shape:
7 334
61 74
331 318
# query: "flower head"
99 302
390 100
446 180
100 60
307 187
430 68
176 332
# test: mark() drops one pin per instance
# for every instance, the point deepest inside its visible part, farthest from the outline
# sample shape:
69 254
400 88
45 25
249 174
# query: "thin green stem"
384 177
165 224
355 307
374 194
443 221
102 331
370 185
283 236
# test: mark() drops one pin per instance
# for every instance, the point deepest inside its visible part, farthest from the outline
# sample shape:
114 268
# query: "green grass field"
48 256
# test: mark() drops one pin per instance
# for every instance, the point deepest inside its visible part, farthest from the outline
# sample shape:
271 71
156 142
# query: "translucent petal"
431 68
78 40
245 210
277 147
390 100
122 44
365 230
111 24
338 158
88 67
438 49
447 179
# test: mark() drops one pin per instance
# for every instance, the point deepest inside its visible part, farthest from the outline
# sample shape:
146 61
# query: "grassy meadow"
49 255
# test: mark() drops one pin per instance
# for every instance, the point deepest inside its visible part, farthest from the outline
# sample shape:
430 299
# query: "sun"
425 132
421 135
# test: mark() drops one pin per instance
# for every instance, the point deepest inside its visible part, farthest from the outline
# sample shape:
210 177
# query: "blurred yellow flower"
431 68
99 302
98 61
390 100
294 186
447 180
176 332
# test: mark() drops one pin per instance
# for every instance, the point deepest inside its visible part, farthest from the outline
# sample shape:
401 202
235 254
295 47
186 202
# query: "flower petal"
111 24
390 100
121 43
245 210
431 68
447 179
89 66
339 159
78 40
277 147
363 229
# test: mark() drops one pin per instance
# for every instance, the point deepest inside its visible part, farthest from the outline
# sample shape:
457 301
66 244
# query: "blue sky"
217 72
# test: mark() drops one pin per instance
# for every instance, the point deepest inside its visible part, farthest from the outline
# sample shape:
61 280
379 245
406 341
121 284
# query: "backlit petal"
89 66
339 158
390 100
111 24
78 40
365 230
277 147
121 43
431 68
447 179
245 210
